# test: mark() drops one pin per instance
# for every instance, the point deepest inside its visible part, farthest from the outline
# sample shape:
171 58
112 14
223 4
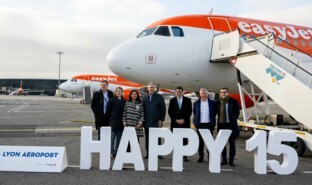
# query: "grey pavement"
51 121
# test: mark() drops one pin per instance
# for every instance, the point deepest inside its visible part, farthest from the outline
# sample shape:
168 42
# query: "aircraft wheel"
299 146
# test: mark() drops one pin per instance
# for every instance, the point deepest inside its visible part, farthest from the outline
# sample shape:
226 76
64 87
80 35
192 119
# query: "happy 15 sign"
173 142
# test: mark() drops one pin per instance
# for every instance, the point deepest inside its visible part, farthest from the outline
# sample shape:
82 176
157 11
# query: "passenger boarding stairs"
281 76
87 94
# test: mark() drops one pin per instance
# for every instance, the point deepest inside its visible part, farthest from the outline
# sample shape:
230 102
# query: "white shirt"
204 112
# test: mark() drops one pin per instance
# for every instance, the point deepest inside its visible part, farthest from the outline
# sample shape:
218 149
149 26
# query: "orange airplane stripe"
219 24
112 79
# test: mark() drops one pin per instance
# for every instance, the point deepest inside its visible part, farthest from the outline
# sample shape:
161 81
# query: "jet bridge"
282 77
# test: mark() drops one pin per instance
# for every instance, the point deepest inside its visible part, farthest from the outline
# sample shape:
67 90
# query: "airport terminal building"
38 86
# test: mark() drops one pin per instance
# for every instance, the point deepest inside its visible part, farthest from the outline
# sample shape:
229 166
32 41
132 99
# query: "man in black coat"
228 112
180 111
99 106
154 112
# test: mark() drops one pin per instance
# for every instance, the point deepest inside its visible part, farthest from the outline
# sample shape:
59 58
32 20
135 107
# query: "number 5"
275 147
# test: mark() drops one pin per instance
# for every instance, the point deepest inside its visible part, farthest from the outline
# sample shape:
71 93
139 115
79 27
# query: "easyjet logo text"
282 32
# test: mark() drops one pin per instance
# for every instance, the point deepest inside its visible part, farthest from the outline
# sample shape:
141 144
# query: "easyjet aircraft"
76 84
21 91
177 51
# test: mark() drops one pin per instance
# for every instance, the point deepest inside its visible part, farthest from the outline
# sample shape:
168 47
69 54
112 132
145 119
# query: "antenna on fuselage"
210 12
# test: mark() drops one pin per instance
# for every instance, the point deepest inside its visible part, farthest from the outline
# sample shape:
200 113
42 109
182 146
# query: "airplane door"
219 24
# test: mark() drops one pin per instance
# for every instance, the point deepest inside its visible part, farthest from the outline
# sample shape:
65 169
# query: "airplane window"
295 42
146 32
73 80
287 40
303 43
177 31
310 43
162 30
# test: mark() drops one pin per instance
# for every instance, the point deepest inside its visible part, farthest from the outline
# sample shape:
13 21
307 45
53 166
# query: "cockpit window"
162 30
177 31
73 80
147 32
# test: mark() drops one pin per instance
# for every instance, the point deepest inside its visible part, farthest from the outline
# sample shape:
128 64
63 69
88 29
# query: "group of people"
113 110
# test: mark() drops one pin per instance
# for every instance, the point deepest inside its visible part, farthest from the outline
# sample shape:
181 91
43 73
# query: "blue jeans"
115 140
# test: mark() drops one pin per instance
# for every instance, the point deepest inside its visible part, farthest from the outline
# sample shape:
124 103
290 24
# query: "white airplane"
212 51
177 51
75 84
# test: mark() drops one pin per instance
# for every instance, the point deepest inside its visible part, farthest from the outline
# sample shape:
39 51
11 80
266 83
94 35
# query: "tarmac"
56 121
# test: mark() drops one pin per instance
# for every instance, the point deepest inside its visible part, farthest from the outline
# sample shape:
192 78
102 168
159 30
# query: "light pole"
59 74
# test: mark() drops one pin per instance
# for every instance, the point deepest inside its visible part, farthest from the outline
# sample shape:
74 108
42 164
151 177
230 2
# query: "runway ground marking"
307 172
41 129
16 109
14 116
21 108
17 130
73 166
227 170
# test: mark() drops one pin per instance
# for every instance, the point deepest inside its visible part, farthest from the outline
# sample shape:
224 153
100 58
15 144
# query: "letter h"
88 146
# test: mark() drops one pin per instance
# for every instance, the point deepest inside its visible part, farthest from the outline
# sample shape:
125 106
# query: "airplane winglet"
210 12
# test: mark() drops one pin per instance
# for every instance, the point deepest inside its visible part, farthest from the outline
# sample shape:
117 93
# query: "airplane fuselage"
171 60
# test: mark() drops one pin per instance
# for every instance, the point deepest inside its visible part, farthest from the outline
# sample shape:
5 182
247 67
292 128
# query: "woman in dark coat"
115 109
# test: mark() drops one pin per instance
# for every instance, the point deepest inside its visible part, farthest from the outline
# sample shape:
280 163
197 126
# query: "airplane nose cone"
120 58
62 87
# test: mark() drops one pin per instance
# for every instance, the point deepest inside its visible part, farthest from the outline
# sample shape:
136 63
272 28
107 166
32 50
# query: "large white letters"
155 150
275 147
181 150
215 147
88 146
129 137
173 142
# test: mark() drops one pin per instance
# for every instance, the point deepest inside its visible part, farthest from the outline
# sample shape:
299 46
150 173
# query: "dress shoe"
200 160
232 164
185 159
224 163
146 157
160 157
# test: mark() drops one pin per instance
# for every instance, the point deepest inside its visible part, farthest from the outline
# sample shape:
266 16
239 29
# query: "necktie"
179 103
104 104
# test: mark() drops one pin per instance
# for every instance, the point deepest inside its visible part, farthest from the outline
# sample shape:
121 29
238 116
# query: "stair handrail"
296 65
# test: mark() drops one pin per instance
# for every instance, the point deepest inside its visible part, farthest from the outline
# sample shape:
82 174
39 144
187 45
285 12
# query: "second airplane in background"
76 84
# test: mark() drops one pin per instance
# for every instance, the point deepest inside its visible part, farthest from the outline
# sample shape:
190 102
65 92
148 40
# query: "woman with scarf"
228 112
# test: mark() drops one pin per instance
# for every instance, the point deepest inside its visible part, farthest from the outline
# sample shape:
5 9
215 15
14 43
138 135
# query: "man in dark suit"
228 112
99 106
180 111
204 118
154 112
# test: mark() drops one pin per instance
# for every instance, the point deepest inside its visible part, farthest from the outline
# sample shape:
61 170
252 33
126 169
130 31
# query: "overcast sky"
33 31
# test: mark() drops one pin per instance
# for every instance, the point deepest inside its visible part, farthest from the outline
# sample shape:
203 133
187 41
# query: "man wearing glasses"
228 112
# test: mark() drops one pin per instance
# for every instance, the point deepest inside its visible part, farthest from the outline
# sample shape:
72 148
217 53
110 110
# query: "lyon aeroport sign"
54 159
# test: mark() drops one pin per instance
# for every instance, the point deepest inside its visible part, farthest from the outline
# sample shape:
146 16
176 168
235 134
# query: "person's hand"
138 126
180 121
160 123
